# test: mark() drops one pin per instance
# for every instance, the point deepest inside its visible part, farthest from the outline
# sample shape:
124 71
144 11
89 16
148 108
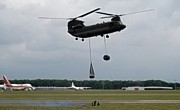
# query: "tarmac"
141 101
72 103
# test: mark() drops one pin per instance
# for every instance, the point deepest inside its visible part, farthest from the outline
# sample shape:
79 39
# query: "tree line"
95 84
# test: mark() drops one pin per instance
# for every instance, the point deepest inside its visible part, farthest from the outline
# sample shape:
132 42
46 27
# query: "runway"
42 103
140 101
72 103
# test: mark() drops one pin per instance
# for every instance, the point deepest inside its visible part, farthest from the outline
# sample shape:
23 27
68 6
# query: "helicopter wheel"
107 36
76 38
82 39
106 57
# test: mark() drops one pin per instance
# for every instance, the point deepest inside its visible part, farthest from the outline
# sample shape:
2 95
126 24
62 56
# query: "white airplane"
8 85
77 88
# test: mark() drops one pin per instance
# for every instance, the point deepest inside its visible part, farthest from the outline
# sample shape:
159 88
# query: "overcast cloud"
149 48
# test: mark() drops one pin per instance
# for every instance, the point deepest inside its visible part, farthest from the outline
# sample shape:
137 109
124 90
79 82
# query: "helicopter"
77 28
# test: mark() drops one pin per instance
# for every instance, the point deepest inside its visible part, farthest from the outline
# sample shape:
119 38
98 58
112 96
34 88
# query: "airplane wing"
87 87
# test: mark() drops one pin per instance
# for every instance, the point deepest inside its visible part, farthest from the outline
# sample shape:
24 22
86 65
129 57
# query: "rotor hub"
116 18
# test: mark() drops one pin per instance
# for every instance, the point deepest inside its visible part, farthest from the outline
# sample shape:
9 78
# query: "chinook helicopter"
77 28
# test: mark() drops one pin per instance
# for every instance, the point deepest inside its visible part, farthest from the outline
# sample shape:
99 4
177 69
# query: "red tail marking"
5 80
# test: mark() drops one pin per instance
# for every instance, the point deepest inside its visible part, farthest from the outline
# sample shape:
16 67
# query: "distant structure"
147 88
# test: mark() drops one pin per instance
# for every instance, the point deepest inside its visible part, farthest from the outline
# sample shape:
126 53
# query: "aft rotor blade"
107 17
136 12
88 13
103 13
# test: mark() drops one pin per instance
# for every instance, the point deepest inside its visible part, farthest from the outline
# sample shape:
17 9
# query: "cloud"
147 49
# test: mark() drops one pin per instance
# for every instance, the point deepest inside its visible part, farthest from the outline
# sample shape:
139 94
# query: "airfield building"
147 88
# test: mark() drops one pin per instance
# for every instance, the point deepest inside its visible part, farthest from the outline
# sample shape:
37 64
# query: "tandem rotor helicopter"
77 28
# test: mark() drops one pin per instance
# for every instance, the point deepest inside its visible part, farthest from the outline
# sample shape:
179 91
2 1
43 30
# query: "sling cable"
91 72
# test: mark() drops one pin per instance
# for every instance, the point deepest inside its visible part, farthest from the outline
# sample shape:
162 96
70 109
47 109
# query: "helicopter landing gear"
106 57
107 36
77 39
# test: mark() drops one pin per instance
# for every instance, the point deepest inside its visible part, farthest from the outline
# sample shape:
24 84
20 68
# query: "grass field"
109 99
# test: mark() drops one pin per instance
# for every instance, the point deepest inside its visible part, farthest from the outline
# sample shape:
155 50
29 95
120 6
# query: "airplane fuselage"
27 87
78 88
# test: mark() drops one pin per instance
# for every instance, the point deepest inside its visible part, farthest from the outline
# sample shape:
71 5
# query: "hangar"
147 88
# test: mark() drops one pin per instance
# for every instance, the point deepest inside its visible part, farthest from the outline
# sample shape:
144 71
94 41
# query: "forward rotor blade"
53 18
87 13
136 12
72 18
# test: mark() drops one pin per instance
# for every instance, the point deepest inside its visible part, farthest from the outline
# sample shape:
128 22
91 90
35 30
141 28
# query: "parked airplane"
77 88
8 85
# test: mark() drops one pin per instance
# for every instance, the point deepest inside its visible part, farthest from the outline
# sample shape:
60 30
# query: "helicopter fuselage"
81 31
77 28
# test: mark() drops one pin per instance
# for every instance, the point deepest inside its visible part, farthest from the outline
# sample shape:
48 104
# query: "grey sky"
33 48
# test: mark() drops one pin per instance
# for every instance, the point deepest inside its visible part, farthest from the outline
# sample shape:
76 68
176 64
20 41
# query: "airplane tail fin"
72 85
6 81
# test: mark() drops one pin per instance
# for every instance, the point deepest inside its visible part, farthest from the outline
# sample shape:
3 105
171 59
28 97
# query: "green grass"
90 95
102 107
